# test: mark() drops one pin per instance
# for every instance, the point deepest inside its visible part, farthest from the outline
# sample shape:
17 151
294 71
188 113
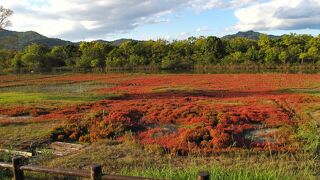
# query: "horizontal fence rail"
56 171
95 172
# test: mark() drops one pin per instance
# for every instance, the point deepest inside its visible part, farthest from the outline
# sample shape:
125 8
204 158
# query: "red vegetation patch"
208 82
187 113
180 124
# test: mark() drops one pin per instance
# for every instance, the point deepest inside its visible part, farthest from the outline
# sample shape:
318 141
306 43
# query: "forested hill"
20 40
249 35
117 42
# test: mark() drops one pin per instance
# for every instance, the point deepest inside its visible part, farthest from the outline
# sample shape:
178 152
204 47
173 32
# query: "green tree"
314 42
242 44
93 55
117 58
5 58
159 49
314 54
35 58
179 56
214 49
303 56
264 42
271 56
252 54
72 55
209 50
57 56
284 57
294 51
171 61
294 39
234 58
17 61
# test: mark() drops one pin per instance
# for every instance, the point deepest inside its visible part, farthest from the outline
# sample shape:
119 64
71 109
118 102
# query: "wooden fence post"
17 162
204 175
96 172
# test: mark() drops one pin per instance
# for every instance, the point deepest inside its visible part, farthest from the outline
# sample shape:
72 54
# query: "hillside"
247 34
117 42
19 40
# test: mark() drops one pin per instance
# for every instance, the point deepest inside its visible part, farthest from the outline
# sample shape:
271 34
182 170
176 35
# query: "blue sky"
167 19
188 23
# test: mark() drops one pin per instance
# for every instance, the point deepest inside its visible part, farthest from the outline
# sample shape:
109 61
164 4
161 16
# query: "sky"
78 20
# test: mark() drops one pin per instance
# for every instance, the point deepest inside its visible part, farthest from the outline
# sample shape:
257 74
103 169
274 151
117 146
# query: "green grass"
310 91
61 87
175 89
21 98
54 93
218 172
309 131
23 135
82 98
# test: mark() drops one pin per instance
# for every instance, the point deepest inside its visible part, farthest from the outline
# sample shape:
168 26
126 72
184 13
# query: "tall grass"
309 134
260 170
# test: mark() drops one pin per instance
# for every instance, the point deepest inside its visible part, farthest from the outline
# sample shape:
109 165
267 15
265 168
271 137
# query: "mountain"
248 34
19 40
117 42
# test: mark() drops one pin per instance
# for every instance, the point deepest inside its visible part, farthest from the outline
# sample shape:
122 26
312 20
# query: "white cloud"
203 29
280 15
81 19
241 3
183 33
93 19
206 4
201 5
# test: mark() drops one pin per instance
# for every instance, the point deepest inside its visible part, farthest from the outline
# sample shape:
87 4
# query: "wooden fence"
18 168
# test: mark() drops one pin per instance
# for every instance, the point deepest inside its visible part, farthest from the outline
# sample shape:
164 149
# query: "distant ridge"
117 42
249 35
19 40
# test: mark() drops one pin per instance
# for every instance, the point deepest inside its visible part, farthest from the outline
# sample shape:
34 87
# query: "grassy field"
237 126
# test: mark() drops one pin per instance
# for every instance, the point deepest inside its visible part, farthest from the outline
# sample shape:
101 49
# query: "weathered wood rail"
18 168
19 153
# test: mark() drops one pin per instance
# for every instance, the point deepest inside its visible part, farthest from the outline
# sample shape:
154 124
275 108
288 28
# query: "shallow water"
262 135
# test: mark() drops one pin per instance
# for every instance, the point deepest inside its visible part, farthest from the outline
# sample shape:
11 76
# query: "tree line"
179 54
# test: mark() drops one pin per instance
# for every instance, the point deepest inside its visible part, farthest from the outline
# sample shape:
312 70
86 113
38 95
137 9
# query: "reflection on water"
226 69
221 71
217 69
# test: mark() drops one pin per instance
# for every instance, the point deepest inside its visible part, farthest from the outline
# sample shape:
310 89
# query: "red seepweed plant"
188 113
